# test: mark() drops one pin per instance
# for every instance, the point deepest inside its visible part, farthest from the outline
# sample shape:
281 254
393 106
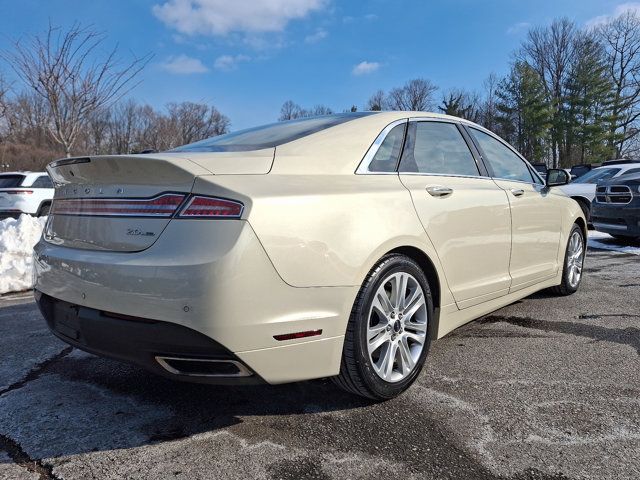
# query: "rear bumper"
616 220
140 341
212 280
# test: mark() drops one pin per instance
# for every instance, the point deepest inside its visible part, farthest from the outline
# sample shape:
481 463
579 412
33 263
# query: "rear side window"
504 162
386 158
11 181
269 136
437 148
43 181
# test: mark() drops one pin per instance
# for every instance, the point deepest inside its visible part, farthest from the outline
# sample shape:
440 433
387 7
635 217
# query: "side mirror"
557 177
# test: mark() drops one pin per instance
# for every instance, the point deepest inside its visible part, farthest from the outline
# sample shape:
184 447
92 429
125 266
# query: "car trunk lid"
124 203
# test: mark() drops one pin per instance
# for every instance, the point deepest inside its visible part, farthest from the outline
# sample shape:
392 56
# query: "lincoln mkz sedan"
336 246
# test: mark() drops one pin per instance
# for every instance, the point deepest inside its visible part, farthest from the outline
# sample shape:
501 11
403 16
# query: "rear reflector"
210 207
161 206
293 336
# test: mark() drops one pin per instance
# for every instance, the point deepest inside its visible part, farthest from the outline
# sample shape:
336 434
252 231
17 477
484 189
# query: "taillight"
211 207
18 192
161 206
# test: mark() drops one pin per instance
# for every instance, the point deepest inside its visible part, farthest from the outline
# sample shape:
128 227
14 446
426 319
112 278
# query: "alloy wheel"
397 326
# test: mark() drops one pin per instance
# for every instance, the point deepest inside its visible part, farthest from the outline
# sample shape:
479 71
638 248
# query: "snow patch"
17 239
604 241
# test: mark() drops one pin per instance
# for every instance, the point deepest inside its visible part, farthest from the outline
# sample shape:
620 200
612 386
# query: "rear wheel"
387 338
44 209
573 263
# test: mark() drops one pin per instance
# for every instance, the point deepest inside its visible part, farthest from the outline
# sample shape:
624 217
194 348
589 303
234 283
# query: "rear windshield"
11 181
269 136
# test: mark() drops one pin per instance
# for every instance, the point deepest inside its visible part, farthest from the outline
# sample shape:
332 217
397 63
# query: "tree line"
571 95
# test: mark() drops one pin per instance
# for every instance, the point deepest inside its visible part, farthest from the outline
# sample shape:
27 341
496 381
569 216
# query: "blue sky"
248 56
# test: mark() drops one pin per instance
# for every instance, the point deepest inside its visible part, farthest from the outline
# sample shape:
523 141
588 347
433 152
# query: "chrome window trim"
363 168
483 177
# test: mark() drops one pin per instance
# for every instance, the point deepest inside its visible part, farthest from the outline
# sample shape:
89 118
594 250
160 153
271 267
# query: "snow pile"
604 241
17 238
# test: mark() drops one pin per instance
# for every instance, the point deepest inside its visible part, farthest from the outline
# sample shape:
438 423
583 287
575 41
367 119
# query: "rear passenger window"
504 162
43 181
386 158
437 148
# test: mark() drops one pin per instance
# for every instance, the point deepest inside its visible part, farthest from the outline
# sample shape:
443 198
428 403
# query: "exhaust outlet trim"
166 363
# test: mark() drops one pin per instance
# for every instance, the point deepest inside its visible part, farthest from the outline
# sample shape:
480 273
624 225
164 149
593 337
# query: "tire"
406 322
44 209
586 209
569 284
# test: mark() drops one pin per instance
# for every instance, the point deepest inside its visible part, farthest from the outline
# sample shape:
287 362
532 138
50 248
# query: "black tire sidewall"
565 272
379 387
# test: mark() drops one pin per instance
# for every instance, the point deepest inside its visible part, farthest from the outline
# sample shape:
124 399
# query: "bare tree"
376 102
550 51
621 40
290 111
463 104
195 121
415 95
488 110
60 67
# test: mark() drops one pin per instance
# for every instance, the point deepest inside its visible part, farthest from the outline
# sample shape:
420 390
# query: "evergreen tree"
524 114
588 115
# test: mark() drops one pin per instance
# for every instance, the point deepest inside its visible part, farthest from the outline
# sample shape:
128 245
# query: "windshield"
269 136
11 181
597 175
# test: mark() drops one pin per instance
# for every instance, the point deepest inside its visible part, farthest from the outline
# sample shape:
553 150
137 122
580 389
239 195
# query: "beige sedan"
336 246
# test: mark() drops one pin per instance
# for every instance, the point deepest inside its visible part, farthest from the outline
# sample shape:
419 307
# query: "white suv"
25 192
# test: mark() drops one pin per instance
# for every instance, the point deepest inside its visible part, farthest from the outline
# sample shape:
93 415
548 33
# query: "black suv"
616 208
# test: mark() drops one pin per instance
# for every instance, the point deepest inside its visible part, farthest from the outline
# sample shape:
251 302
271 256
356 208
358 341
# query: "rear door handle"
517 192
439 191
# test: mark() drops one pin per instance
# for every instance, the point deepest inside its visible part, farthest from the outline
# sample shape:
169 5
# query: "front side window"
504 162
437 148
43 181
386 158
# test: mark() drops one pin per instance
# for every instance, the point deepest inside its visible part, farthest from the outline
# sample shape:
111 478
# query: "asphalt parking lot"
547 388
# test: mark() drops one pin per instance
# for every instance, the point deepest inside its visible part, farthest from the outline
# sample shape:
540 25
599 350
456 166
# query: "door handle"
517 192
439 191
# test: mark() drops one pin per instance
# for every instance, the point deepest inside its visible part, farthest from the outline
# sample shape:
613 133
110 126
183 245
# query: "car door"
535 216
464 213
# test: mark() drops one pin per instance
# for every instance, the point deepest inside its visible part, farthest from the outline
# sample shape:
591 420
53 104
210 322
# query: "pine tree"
524 114
589 106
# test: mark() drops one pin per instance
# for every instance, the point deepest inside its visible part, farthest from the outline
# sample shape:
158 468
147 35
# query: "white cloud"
364 68
319 35
183 65
226 63
619 10
371 17
517 28
220 17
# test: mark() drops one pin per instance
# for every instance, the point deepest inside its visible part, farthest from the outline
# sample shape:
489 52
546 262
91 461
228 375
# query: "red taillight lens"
211 207
18 192
161 206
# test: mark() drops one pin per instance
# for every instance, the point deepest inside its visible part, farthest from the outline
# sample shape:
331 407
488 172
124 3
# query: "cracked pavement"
546 388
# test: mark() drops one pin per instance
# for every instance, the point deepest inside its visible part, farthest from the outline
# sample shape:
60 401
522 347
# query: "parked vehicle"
579 170
583 189
620 161
616 210
25 192
336 246
541 168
